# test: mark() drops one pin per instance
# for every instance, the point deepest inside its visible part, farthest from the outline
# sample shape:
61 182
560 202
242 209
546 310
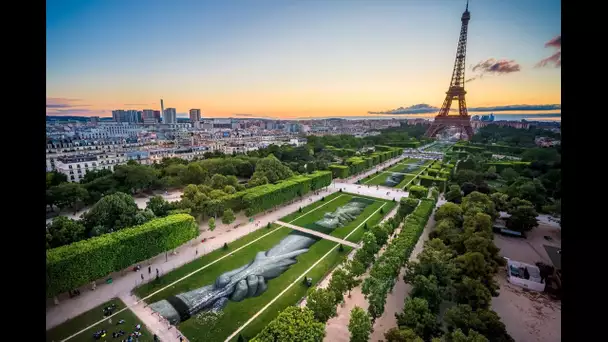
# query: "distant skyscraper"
170 116
157 115
118 115
131 116
195 115
140 116
162 108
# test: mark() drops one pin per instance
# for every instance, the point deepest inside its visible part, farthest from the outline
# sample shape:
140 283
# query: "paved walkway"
395 300
126 280
155 323
319 234
337 327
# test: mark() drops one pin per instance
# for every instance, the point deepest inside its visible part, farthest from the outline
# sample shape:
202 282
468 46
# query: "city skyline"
293 59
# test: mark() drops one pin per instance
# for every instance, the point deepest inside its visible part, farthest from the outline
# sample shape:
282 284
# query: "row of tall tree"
456 268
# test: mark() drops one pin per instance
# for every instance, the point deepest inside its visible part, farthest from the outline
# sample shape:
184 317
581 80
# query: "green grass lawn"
406 181
407 168
236 314
78 323
380 179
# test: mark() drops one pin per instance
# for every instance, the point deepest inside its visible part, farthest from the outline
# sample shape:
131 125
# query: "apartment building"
75 167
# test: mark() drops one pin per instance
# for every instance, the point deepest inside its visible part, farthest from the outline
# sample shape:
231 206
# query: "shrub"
418 191
71 266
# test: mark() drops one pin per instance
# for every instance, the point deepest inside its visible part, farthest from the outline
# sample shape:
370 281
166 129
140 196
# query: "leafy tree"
418 317
143 216
94 174
359 325
158 205
530 190
478 202
342 281
63 231
356 267
509 175
322 302
212 224
271 168
402 335
66 195
454 195
134 178
474 266
472 292
478 223
229 189
435 260
449 211
100 187
473 336
381 233
111 213
366 253
292 324
548 155
194 174
429 289
482 244
228 216
500 200
523 217
466 176
257 181
485 322
55 178
467 188
218 181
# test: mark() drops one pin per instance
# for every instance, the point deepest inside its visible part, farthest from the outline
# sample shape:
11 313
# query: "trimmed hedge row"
268 196
418 191
516 165
358 164
71 266
428 181
386 268
339 171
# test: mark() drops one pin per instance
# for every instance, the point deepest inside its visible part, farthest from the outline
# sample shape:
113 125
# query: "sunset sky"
289 59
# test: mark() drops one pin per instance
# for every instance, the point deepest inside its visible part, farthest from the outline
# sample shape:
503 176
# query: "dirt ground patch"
528 315
531 249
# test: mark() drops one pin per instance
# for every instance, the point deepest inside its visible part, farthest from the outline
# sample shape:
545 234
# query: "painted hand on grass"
250 281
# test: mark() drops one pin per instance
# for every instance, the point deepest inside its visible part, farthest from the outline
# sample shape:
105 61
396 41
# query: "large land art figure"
251 279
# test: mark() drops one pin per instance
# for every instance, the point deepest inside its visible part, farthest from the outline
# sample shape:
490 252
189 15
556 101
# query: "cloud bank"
555 59
425 108
415 109
494 67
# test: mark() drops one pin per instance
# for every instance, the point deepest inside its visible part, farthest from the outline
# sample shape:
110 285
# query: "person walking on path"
149 269
142 277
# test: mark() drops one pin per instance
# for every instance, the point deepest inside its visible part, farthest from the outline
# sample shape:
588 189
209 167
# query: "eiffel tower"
456 91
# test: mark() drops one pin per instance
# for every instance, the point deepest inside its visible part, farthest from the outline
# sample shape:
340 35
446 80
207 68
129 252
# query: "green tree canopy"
111 213
292 324
322 302
359 325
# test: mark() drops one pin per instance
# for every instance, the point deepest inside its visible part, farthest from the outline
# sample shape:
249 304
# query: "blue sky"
292 58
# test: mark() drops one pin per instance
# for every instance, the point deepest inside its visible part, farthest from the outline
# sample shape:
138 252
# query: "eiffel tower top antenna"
467 9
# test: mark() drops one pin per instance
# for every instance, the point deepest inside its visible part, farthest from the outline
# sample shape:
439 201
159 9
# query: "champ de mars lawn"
324 255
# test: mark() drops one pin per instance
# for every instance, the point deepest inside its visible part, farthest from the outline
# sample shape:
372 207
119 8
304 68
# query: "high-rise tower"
162 108
456 90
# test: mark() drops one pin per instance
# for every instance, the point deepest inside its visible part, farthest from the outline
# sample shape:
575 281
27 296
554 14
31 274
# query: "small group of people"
74 293
108 310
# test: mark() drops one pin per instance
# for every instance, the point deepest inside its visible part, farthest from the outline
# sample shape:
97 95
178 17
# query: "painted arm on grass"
244 282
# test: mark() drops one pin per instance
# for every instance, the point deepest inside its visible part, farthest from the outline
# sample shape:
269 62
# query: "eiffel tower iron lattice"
456 91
